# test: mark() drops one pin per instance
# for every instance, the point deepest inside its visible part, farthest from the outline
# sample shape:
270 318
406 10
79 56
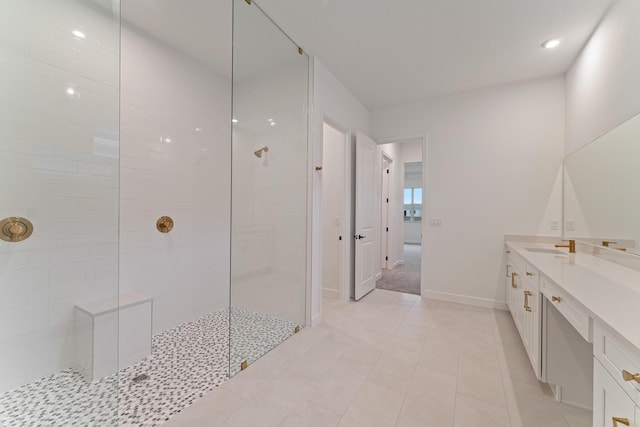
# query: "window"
413 204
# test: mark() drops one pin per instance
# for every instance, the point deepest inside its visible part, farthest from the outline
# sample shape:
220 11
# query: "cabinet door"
514 296
512 288
531 325
612 407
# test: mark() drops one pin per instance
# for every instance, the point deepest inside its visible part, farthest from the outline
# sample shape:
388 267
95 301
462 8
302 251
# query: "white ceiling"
387 52
391 52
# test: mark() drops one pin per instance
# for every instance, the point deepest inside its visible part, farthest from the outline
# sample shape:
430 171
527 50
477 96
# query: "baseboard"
378 276
465 299
329 293
316 320
397 263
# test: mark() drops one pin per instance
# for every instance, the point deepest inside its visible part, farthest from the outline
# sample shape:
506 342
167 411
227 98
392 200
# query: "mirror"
601 197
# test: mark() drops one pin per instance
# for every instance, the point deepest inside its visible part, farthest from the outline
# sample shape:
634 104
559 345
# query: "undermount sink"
546 251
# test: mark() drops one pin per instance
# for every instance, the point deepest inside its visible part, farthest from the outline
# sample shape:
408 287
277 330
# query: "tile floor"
391 359
186 363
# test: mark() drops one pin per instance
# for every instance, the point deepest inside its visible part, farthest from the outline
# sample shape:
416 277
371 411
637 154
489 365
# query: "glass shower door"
59 169
268 186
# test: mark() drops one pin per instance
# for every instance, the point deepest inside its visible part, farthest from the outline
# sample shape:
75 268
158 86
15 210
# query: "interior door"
365 228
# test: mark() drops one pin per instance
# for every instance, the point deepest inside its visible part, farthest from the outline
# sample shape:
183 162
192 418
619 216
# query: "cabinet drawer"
610 402
573 311
529 272
617 357
516 260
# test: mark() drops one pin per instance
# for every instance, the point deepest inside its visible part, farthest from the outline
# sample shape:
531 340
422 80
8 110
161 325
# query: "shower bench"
111 333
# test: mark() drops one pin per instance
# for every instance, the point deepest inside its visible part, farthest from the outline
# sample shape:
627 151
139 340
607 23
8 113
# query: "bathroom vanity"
579 319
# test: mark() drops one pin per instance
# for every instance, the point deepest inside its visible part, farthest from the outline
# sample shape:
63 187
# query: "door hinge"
386 258
339 237
387 200
387 229
387 170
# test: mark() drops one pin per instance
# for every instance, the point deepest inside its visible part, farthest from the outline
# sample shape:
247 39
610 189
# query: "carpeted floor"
405 277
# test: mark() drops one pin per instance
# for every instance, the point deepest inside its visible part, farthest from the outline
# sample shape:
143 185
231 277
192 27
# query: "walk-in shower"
148 256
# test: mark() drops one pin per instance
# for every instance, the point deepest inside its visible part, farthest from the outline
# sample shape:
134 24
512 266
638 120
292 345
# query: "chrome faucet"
571 246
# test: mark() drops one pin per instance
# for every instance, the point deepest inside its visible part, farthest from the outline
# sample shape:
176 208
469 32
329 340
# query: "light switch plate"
571 225
555 224
435 222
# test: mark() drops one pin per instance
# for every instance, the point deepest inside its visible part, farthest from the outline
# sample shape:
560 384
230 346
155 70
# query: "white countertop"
610 292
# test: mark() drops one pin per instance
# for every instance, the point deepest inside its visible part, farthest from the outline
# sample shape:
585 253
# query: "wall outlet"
571 225
435 222
555 224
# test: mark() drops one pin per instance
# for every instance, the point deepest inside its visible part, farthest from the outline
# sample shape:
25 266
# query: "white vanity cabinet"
611 405
523 300
578 319
616 381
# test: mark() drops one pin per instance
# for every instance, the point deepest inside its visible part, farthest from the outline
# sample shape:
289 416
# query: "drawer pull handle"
527 294
555 298
623 421
529 273
513 279
628 376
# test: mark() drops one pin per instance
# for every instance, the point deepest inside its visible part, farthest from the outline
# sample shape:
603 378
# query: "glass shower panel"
269 186
175 196
59 169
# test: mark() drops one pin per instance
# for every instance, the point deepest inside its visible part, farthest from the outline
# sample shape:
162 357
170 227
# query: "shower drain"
139 378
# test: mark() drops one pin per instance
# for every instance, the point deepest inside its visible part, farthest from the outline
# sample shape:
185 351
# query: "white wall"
59 169
492 162
333 191
332 102
602 86
166 95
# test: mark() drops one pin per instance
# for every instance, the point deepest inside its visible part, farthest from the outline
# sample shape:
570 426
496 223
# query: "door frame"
344 264
384 219
425 196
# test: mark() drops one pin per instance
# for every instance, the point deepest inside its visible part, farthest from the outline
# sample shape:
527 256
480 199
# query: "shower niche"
114 114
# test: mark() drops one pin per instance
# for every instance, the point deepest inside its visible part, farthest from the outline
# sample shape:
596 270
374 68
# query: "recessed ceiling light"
551 43
272 123
234 120
270 120
198 129
79 34
71 91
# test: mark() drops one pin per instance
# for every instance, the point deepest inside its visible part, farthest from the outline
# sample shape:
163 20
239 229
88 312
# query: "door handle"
527 294
513 279
359 236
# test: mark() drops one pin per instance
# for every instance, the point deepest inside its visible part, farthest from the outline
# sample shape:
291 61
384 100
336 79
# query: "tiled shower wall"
59 169
175 161
62 167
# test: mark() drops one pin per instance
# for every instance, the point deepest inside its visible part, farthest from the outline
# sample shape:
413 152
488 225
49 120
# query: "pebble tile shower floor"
186 362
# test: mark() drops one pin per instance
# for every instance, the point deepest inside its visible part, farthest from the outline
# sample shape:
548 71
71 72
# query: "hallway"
406 277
